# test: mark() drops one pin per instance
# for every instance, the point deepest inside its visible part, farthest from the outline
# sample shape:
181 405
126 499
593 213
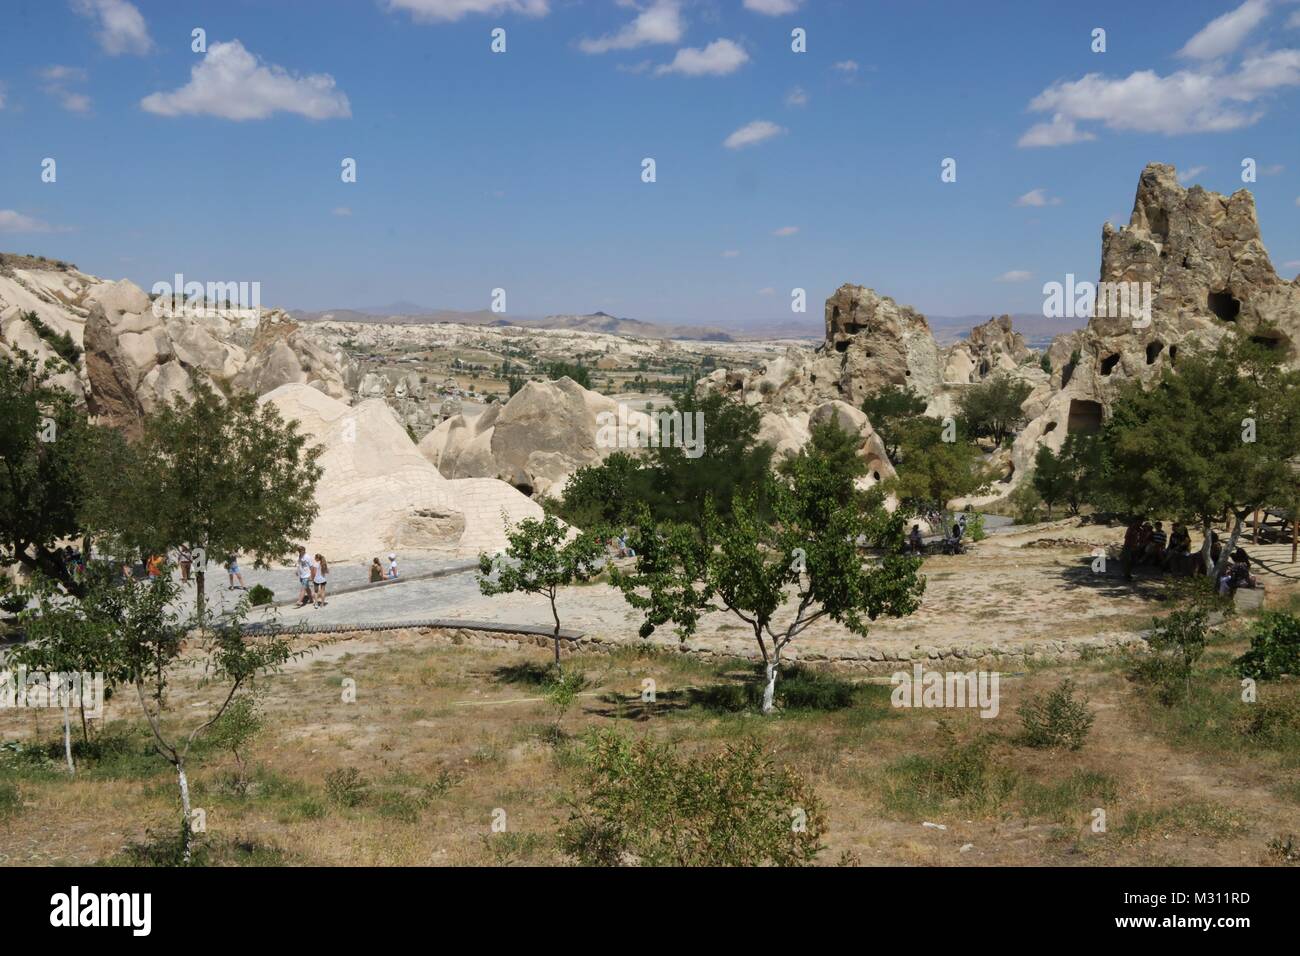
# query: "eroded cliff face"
1189 267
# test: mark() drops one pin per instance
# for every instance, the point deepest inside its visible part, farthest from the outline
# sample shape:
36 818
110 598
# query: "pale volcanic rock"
377 492
880 343
536 440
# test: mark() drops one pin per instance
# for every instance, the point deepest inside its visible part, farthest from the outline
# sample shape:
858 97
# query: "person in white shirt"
304 577
392 565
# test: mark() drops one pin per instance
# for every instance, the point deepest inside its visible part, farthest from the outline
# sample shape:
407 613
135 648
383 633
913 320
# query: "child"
392 565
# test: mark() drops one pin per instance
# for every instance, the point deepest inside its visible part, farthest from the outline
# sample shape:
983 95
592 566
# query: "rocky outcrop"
536 440
378 493
879 343
989 348
1197 260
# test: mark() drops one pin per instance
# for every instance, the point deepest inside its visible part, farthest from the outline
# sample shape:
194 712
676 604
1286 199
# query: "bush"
962 773
260 594
1056 719
644 804
975 526
1178 642
13 603
1271 723
1274 647
1024 502
11 801
346 787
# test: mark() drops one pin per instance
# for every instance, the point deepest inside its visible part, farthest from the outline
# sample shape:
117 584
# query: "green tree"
539 560
992 408
1051 478
604 494
1215 436
891 409
933 472
751 563
727 458
43 440
227 476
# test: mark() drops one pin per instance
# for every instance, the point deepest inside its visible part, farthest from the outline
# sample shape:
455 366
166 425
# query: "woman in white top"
320 570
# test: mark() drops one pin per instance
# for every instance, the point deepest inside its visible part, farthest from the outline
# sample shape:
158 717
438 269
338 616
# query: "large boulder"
544 433
378 493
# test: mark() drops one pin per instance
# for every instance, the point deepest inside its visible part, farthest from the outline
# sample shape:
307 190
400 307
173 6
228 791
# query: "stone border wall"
866 657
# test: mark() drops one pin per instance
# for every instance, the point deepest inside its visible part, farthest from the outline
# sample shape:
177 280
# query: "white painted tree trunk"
67 740
769 690
186 833
1226 554
1206 530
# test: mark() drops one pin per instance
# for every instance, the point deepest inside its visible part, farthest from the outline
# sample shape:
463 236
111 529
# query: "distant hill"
406 313
1037 330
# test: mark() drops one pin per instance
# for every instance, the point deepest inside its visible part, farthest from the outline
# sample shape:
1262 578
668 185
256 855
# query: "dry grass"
441 737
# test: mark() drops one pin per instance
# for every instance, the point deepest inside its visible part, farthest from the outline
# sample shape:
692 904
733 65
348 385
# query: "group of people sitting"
1147 545
951 543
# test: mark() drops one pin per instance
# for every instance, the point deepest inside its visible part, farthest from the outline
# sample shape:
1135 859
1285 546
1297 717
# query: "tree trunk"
1206 530
769 688
187 834
67 739
1226 554
198 593
556 614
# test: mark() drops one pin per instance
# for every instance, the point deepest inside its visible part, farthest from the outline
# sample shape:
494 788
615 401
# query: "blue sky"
523 170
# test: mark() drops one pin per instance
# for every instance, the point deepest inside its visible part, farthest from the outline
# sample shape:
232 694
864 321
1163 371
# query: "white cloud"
773 8
767 290
2 96
74 102
1211 97
12 221
1061 131
1190 173
1224 34
752 134
1291 264
797 96
121 27
731 253
233 84
57 78
452 10
1015 275
1294 21
719 58
661 22
847 67
1297 200
1272 170
1038 197
785 231
341 211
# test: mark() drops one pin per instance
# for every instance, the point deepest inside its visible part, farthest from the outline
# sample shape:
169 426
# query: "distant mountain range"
1037 330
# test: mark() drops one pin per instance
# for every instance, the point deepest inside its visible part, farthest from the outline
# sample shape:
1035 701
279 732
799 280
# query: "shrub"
1056 719
1270 722
1178 641
975 526
346 787
1274 647
260 594
1024 502
11 801
963 773
644 804
13 602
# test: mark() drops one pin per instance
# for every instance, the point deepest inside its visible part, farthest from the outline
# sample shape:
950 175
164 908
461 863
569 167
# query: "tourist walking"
185 559
232 569
392 565
304 577
320 578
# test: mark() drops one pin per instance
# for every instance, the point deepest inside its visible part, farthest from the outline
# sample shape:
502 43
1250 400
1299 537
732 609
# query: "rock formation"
377 492
536 440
